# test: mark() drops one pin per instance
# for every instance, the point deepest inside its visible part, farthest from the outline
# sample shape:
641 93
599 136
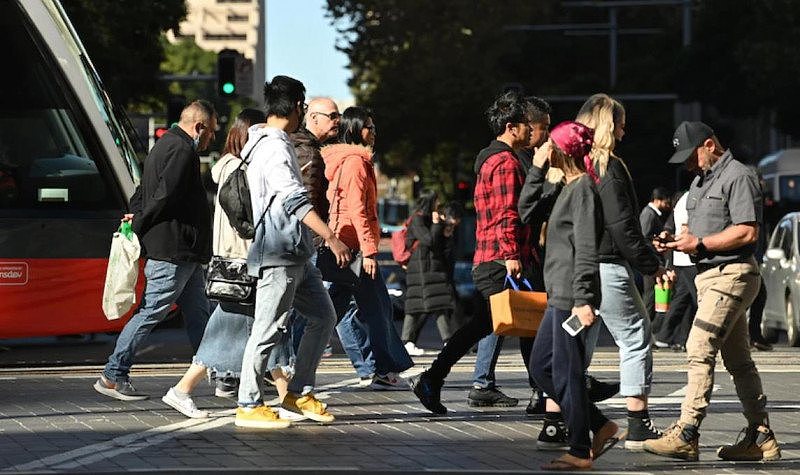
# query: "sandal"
604 439
568 463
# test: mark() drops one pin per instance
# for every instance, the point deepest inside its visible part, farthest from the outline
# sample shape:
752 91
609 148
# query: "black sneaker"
599 390
490 397
429 393
554 435
640 430
536 406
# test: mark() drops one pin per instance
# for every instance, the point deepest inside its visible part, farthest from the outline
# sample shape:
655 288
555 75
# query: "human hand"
436 217
340 250
585 314
514 268
663 276
542 154
370 266
127 217
660 241
686 242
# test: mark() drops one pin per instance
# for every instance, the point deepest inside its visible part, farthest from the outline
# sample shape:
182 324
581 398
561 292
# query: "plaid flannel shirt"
500 234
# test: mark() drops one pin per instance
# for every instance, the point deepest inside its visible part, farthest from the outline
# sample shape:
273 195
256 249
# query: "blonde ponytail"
601 113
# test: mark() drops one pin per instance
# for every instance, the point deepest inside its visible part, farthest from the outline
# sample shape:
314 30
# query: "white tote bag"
119 293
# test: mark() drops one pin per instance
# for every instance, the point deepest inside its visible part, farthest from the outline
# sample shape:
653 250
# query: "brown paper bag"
517 312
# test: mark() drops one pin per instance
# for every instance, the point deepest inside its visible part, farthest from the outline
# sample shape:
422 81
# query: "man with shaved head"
172 219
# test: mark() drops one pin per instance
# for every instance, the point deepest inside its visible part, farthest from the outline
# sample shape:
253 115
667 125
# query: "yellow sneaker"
260 417
308 406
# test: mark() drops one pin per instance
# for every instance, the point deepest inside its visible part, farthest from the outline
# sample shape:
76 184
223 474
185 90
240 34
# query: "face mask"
196 142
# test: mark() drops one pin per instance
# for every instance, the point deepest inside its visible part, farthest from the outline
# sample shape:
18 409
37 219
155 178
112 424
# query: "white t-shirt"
680 259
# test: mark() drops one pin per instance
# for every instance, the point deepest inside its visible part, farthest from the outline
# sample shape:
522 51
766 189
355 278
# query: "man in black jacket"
652 219
173 222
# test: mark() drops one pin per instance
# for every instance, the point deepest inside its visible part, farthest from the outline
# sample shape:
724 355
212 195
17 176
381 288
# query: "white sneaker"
661 344
183 405
389 382
413 350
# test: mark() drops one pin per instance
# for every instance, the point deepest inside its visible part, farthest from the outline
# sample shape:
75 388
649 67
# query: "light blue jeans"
278 290
624 314
485 361
167 283
354 336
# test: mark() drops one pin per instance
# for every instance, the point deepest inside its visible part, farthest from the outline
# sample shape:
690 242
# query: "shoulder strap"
336 194
245 158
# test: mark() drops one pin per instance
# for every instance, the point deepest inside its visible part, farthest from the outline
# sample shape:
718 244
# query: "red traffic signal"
462 185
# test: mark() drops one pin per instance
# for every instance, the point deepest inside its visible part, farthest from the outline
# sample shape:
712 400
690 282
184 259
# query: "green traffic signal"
228 88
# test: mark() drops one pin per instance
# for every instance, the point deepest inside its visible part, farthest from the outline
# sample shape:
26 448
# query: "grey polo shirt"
727 194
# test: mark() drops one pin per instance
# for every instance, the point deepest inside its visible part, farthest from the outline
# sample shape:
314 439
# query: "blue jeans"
624 314
485 361
354 335
278 290
167 283
375 310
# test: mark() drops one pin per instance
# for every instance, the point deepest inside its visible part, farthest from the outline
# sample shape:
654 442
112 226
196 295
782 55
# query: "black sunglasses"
331 115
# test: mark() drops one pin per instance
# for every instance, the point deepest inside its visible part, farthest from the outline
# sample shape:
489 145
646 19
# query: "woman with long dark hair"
352 193
429 275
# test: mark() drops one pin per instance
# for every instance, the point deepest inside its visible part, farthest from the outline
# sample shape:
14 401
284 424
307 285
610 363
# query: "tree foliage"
430 69
123 38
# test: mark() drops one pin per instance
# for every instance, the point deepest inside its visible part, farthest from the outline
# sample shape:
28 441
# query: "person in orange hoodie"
353 197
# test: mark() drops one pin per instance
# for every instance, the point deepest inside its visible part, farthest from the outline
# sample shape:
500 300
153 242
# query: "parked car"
781 273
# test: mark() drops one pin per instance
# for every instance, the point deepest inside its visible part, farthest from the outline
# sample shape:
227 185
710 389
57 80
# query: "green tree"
123 38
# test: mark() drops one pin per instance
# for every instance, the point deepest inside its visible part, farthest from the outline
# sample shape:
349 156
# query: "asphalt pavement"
51 420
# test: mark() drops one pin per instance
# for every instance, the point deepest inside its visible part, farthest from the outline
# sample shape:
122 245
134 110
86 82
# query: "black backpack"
234 198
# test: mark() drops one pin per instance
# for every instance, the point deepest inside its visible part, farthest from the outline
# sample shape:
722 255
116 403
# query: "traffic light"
226 73
463 192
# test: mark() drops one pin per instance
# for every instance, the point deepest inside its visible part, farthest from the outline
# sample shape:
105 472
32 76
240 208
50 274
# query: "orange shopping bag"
517 312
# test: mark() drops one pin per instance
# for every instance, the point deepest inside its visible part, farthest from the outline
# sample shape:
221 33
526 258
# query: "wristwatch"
700 249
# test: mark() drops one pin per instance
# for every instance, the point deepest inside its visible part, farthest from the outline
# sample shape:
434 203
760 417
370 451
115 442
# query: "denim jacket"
279 199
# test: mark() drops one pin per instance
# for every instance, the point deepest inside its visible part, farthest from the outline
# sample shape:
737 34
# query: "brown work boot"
758 444
672 444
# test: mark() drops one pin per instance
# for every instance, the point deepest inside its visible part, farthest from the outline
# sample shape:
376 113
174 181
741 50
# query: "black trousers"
678 321
756 312
558 369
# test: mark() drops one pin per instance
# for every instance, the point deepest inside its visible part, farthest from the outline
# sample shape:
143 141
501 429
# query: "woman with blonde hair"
622 250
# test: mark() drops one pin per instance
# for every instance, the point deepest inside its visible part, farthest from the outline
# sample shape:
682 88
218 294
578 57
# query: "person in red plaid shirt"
503 242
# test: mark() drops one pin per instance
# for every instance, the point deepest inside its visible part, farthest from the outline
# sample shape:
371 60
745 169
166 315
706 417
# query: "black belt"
720 266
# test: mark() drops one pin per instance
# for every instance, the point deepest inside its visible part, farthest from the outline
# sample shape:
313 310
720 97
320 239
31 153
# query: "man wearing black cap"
724 208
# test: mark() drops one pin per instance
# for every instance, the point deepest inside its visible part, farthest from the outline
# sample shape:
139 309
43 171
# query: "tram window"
49 156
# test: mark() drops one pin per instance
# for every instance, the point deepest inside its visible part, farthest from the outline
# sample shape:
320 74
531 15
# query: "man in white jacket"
279 257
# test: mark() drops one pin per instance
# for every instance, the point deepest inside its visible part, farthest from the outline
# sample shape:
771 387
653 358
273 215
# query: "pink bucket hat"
576 140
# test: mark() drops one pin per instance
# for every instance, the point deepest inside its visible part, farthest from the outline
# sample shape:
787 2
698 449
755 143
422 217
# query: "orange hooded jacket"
353 195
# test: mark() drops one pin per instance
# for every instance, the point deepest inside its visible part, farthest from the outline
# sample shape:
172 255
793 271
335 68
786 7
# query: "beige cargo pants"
724 294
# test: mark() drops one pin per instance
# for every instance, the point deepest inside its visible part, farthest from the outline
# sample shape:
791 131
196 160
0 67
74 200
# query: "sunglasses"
331 115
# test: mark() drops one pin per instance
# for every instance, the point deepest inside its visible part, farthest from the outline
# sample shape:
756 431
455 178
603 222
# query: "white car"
780 270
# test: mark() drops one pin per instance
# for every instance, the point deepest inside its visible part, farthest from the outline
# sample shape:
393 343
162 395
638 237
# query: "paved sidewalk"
52 420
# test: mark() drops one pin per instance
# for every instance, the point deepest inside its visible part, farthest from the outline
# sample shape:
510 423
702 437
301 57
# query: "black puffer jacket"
171 215
429 274
622 239
306 146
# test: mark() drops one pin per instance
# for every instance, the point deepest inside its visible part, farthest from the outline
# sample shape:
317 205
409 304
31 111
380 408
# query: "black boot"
429 393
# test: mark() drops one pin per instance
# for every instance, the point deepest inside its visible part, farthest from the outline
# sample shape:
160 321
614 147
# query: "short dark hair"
237 135
453 210
660 193
282 95
509 107
538 108
353 120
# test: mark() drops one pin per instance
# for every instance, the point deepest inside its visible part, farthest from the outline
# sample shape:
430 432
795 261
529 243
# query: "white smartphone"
573 324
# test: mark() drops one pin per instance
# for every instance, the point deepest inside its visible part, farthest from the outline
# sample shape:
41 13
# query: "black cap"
688 136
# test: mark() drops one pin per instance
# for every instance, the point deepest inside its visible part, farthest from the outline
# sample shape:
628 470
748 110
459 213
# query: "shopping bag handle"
510 280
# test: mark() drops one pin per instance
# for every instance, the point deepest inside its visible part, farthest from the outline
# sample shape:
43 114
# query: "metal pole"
687 23
612 45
